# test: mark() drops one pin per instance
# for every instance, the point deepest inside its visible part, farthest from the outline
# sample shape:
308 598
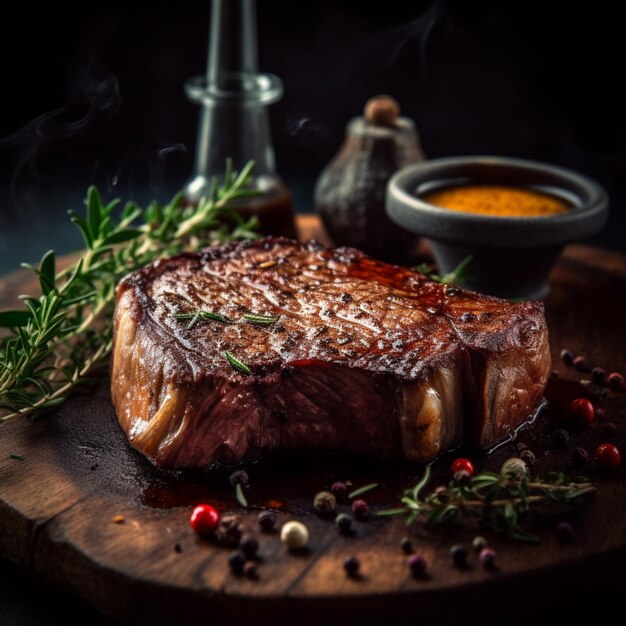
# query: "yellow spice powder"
498 200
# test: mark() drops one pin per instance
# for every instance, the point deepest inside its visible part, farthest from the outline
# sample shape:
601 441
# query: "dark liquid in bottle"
274 210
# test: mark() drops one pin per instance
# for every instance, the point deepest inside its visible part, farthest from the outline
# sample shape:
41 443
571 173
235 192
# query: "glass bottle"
234 121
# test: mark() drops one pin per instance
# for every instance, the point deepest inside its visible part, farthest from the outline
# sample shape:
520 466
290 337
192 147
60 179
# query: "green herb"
202 315
260 320
17 457
497 501
54 343
362 490
241 496
455 277
236 363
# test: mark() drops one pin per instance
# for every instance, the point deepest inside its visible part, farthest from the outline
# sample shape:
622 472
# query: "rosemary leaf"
236 363
17 457
362 490
196 316
241 496
260 320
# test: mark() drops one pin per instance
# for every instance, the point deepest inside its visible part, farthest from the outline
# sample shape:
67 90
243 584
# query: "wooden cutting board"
57 506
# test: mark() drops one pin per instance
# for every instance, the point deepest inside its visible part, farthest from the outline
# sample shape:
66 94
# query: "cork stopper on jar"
382 111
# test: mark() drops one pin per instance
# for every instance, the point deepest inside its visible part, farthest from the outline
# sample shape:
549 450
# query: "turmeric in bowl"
497 200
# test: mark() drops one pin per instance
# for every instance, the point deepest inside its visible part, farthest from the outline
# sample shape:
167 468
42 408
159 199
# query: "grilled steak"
354 355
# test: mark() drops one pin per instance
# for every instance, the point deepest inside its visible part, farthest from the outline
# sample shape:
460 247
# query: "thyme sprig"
499 501
454 277
53 344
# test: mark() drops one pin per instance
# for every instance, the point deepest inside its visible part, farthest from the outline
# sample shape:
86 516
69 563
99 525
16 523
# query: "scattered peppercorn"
324 503
600 414
520 446
462 477
515 467
608 456
339 489
458 553
228 531
565 531
528 456
236 562
295 535
239 477
343 522
178 548
581 364
580 456
487 558
581 409
249 546
479 543
267 521
442 493
567 356
118 519
462 465
609 429
249 569
560 437
204 519
417 565
554 374
407 545
352 565
615 380
360 508
598 375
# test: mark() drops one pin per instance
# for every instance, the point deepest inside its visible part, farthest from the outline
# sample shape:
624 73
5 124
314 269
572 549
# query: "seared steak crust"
364 357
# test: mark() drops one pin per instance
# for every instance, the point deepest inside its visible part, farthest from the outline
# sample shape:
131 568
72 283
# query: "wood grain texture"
57 507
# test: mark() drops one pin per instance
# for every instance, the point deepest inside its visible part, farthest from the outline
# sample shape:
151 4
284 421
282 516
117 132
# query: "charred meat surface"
352 355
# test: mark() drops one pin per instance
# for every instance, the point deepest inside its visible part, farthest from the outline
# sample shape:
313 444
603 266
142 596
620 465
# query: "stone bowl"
511 257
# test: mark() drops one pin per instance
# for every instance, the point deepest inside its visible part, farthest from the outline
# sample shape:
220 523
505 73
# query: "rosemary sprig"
499 501
196 316
260 320
54 343
362 490
236 364
454 277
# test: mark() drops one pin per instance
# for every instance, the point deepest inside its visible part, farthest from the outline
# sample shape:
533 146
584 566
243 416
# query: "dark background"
95 95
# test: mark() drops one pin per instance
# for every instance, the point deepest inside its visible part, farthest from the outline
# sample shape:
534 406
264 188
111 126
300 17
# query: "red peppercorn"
417 565
204 519
462 465
339 489
608 456
615 380
583 410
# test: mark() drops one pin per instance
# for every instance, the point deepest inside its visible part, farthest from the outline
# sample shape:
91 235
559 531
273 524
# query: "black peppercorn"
360 508
407 545
581 364
417 565
528 456
609 429
249 546
249 569
580 456
343 522
598 375
228 531
236 561
459 555
560 437
178 548
239 477
352 565
267 521
565 531
567 356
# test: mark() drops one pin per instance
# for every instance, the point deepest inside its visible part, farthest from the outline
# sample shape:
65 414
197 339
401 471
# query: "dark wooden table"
57 508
